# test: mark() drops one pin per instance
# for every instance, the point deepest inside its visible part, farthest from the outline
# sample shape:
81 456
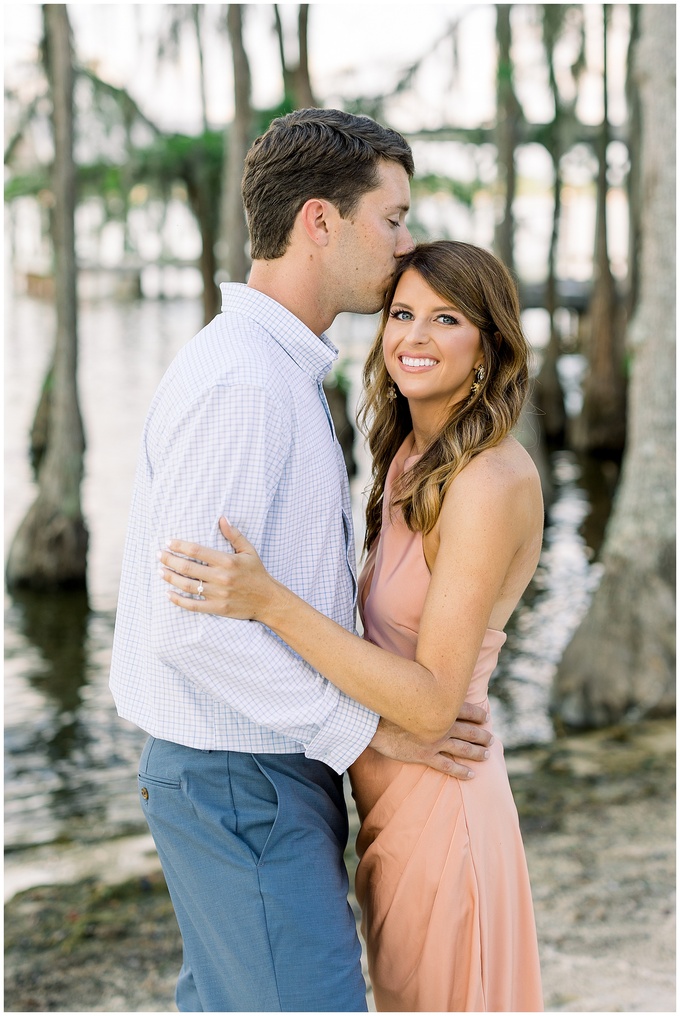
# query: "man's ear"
314 217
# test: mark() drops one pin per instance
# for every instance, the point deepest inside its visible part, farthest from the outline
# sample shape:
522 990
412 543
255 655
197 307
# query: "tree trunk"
297 84
285 69
233 228
304 95
49 549
620 663
201 199
633 188
41 423
196 12
601 426
548 392
507 123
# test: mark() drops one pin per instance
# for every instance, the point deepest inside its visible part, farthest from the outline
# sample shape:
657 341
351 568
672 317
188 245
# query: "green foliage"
197 161
433 183
169 159
105 180
23 184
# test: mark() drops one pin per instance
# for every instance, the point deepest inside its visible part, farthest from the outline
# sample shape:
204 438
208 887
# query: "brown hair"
481 287
312 153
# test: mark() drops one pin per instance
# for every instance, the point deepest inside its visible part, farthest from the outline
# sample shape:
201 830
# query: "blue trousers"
252 851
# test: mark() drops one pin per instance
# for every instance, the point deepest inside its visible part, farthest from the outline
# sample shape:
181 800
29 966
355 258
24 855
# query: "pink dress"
442 879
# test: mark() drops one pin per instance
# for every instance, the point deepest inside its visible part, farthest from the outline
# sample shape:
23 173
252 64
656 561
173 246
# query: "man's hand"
465 740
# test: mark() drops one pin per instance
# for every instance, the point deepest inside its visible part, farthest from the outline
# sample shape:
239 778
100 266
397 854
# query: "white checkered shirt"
240 427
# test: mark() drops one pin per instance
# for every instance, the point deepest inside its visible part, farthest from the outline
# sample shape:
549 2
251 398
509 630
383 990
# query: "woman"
454 527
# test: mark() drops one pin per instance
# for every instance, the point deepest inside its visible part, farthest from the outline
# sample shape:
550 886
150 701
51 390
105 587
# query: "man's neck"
284 281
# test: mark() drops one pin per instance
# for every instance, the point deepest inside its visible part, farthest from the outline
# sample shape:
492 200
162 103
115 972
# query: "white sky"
353 48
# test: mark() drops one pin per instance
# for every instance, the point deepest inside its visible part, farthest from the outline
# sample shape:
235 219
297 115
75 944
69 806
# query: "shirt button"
145 793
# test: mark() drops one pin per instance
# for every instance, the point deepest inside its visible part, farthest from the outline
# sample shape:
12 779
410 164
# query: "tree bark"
202 203
285 69
548 391
196 13
601 425
297 84
620 663
233 229
49 549
508 115
304 94
41 423
633 187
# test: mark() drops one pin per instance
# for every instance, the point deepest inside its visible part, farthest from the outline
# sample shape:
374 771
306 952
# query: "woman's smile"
417 363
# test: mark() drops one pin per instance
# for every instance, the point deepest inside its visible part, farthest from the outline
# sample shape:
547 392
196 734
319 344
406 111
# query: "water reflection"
57 627
552 606
598 477
68 760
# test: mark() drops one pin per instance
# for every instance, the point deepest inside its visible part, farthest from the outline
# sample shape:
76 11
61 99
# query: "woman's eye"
393 223
401 315
447 319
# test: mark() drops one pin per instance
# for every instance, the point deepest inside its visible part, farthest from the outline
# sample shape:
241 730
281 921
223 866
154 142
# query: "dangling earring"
391 391
480 374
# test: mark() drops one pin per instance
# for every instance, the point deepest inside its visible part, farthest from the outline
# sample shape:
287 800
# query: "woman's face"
431 350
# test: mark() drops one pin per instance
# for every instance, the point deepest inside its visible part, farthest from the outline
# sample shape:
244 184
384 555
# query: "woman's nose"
417 332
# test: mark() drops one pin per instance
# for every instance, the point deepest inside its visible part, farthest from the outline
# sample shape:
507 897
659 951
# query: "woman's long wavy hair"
481 287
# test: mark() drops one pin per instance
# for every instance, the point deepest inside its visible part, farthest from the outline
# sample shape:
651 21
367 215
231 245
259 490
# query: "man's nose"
405 242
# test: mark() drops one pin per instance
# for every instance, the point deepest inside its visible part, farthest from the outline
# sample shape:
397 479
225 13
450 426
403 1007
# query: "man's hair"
312 153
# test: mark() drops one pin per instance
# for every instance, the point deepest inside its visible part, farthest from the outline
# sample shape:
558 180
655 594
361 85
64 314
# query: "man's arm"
466 739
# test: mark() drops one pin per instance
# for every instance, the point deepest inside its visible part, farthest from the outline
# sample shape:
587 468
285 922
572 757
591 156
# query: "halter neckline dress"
442 880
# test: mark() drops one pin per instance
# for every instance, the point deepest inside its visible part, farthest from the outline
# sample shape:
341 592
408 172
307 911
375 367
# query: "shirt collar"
314 354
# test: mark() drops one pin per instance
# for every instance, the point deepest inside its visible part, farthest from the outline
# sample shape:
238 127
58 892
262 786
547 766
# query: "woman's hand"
231 585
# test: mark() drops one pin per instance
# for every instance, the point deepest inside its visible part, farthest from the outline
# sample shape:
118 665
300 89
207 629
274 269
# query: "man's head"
313 153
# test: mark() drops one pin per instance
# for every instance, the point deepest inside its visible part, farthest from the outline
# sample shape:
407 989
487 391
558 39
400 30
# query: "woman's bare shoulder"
504 467
496 498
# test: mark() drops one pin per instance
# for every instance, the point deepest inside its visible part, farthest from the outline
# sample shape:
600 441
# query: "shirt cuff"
346 731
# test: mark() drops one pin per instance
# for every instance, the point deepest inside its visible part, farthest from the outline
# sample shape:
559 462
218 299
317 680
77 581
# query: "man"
241 777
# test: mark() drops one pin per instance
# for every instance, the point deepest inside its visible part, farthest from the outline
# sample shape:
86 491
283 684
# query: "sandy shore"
598 818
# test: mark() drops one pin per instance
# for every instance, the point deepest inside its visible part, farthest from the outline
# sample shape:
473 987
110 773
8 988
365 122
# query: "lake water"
70 762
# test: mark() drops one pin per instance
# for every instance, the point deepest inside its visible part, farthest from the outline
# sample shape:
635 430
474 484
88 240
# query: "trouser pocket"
256 803
150 781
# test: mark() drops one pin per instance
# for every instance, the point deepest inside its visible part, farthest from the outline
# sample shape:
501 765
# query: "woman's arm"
479 537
